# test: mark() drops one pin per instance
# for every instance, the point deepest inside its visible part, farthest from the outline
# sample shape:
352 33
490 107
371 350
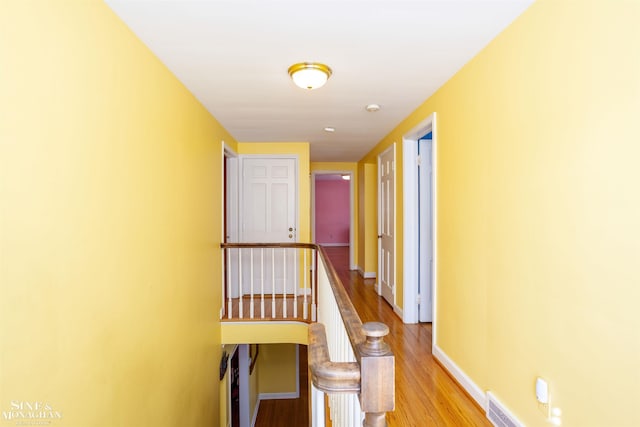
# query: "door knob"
291 236
290 228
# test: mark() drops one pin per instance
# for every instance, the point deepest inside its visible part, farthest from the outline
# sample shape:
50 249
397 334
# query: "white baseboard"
365 274
333 244
397 310
270 396
463 379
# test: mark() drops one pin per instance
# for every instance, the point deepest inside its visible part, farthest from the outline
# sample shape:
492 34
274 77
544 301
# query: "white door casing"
386 225
230 214
414 265
268 213
425 226
231 191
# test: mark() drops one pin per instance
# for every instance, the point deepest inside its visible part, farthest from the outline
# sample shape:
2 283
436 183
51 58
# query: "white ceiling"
233 55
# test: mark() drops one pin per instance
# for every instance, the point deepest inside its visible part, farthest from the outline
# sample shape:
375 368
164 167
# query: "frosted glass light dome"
309 75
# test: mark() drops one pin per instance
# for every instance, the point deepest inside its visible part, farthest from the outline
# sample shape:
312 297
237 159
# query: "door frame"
392 147
233 352
229 172
314 174
411 220
243 366
231 203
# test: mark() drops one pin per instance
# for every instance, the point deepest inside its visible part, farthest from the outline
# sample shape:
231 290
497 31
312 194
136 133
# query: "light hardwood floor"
425 393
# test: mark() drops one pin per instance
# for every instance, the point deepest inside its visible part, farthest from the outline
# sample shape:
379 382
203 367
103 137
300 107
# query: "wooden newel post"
377 373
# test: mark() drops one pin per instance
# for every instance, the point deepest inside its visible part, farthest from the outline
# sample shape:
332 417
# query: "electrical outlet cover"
542 391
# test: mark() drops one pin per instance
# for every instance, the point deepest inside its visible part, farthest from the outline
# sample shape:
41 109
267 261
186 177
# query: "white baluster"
295 282
228 276
251 307
314 266
262 283
284 283
317 408
240 290
305 273
273 283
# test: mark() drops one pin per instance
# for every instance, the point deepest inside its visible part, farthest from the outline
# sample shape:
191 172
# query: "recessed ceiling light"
309 75
329 129
372 108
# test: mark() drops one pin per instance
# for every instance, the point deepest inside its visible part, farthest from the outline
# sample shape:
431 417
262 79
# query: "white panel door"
269 200
268 214
386 225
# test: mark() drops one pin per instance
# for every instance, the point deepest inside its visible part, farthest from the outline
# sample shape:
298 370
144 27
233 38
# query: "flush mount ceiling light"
372 108
309 75
329 129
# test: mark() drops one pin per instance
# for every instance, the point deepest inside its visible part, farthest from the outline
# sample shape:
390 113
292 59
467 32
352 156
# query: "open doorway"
332 212
419 178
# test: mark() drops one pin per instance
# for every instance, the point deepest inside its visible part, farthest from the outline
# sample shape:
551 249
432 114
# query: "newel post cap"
374 344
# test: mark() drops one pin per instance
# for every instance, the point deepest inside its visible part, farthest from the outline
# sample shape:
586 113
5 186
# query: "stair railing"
349 361
269 281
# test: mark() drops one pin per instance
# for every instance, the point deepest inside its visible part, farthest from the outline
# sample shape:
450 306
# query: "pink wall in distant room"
332 211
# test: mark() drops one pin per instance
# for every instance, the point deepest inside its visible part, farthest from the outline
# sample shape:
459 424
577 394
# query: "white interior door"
268 200
268 214
425 225
386 225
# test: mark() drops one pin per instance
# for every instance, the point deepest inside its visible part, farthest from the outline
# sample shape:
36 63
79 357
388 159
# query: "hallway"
425 394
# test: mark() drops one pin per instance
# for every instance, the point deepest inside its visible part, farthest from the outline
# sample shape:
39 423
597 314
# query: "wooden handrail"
350 317
328 376
269 245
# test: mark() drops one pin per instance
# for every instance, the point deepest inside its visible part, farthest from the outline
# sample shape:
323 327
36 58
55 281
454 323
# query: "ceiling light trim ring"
310 75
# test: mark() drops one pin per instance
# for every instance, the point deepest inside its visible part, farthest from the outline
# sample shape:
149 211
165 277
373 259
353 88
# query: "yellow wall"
343 167
538 208
368 218
334 166
301 149
110 223
277 368
264 332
